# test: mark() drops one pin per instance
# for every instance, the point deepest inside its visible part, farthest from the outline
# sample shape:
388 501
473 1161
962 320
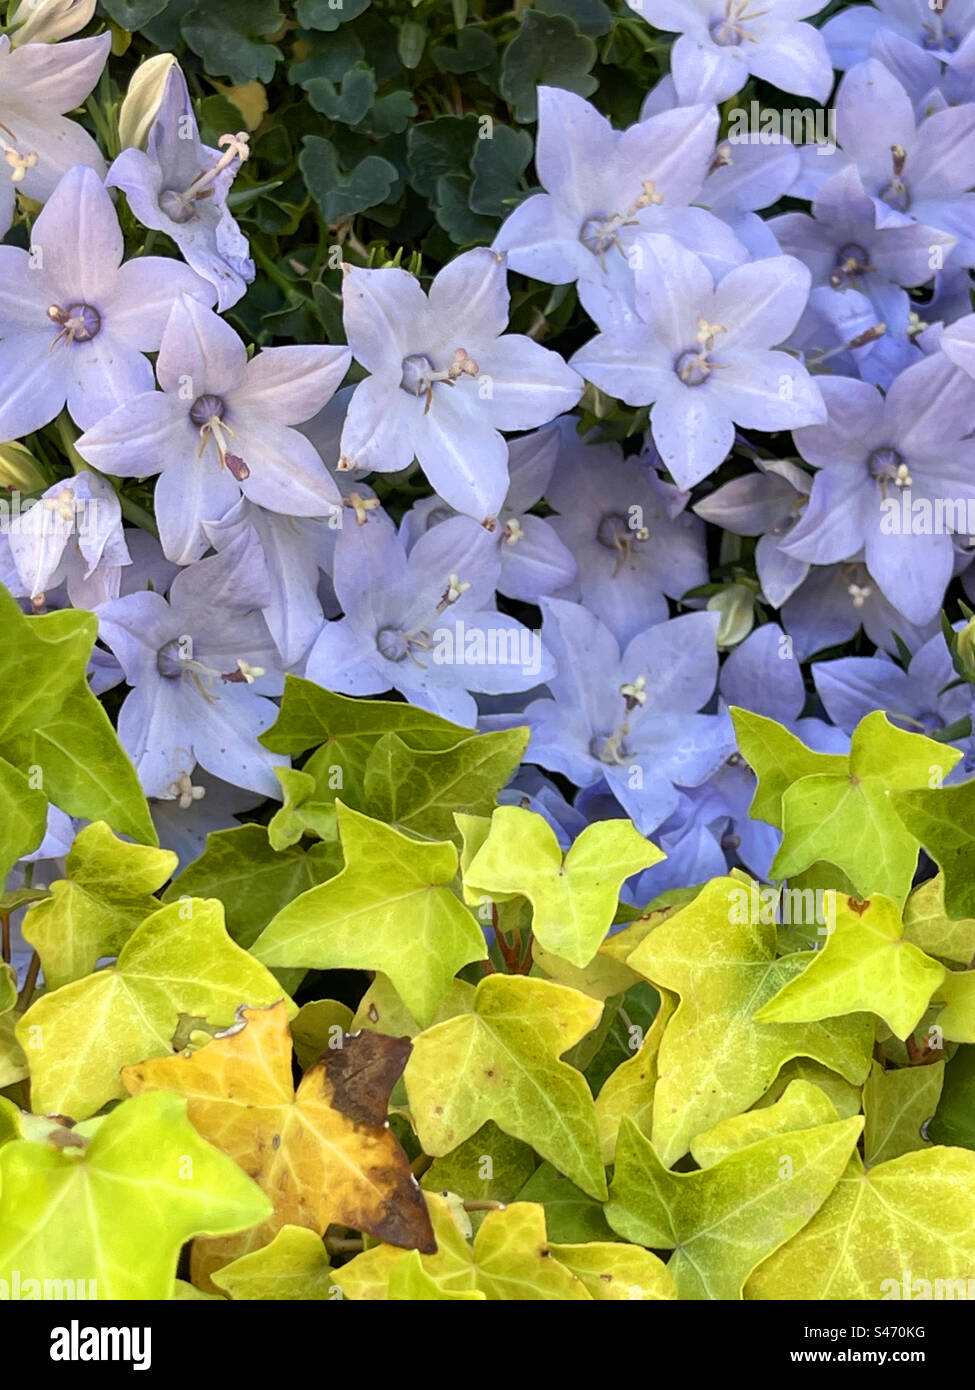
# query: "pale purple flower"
604 187
835 601
445 378
633 542
534 561
422 623
200 665
72 534
296 550
877 457
194 807
724 42
629 716
75 322
918 699
221 426
845 249
913 171
767 504
179 186
937 27
38 144
700 354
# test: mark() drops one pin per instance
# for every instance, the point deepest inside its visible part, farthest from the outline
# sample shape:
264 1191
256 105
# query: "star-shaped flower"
75 322
221 426
179 186
445 379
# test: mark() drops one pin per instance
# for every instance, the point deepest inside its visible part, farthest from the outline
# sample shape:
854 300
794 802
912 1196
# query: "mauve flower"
75 322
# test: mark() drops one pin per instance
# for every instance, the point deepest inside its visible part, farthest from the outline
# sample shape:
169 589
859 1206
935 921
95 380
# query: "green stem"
275 275
131 509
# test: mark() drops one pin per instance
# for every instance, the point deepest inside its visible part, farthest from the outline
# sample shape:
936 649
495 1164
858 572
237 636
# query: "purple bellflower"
723 42
200 665
179 186
38 84
422 623
629 717
835 601
534 561
446 378
221 426
75 322
887 465
912 171
700 354
633 542
604 187
937 28
73 533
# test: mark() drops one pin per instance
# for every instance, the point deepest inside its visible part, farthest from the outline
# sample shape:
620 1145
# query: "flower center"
937 37
175 662
852 260
179 205
858 584
896 193
183 791
617 534
599 232
420 376
730 31
888 468
19 163
78 323
612 749
694 365
396 644
207 414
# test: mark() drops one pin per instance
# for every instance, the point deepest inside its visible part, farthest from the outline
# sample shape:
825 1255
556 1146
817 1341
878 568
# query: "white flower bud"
46 21
143 99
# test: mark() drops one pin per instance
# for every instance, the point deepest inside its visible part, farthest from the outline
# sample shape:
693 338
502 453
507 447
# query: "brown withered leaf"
323 1154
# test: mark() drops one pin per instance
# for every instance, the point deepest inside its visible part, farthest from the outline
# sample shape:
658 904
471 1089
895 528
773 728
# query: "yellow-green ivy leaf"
294 1266
389 909
866 966
897 1105
500 1062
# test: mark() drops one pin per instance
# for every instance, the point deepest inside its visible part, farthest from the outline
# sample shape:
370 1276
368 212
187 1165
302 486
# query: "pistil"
179 206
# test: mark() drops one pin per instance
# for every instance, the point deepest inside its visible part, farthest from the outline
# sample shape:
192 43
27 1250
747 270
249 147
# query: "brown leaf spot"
362 1073
858 906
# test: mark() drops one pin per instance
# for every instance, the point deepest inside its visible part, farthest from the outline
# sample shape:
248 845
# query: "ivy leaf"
410 1283
866 966
489 1166
179 960
293 1267
549 51
497 165
302 812
227 35
571 1215
500 1062
421 790
381 1010
574 899
106 892
715 1058
803 1105
317 1025
118 1208
843 813
943 821
845 1099
13 1063
954 1119
897 1105
389 909
611 1271
956 995
241 869
23 817
342 195
928 926
724 1221
53 727
328 14
510 1259
8 988
915 1214
630 1089
323 1153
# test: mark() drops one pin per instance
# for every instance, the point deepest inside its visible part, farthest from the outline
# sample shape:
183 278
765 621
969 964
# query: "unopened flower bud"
965 651
46 21
19 469
143 99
